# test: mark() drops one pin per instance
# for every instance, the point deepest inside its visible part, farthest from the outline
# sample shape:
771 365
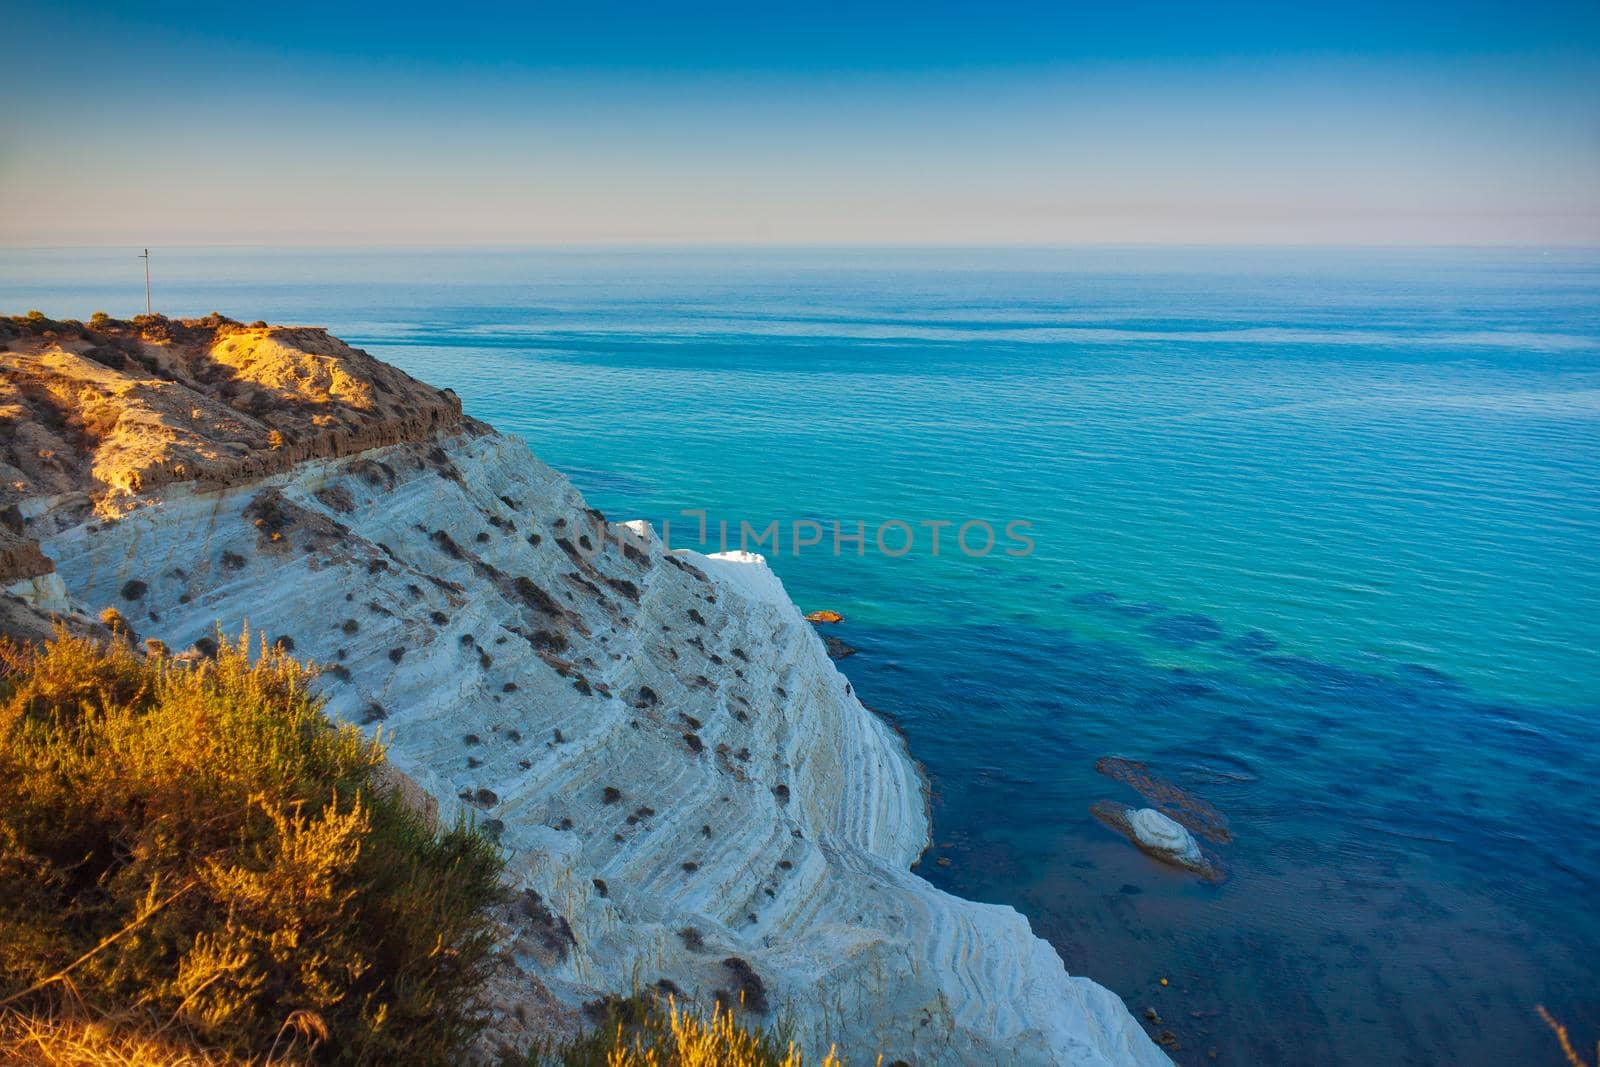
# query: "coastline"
521 684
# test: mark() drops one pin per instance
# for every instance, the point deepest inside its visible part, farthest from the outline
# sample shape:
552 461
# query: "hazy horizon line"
875 246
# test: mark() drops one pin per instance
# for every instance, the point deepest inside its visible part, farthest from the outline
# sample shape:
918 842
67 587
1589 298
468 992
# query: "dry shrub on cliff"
642 1032
193 857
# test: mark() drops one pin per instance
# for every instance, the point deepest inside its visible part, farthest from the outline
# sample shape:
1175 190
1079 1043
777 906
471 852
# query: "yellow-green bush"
196 849
641 1031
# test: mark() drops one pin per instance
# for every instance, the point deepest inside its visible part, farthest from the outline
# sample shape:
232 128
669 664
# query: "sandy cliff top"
114 408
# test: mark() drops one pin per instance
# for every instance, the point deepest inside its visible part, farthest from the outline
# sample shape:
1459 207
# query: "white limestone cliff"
677 771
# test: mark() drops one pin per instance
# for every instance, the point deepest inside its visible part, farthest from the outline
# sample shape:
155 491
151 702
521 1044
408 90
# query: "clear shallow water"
1316 538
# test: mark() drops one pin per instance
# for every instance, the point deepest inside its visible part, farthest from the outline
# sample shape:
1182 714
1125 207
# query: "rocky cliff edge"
691 798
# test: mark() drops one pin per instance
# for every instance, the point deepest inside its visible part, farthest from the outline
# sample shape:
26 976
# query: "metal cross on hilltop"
146 258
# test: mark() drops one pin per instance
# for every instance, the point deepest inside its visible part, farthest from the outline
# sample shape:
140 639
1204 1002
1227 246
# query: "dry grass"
76 1039
644 1036
191 853
641 1032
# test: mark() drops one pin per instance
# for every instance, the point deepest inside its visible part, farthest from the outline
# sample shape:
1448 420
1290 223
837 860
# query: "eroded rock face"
532 667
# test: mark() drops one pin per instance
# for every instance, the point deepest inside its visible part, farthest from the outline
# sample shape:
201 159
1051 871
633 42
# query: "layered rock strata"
689 794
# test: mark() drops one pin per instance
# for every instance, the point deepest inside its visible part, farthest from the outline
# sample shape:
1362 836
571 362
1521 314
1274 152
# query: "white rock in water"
1159 833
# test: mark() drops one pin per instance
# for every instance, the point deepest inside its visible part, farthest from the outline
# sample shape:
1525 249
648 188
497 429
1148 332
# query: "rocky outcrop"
688 792
1158 833
103 413
20 558
1159 836
1168 829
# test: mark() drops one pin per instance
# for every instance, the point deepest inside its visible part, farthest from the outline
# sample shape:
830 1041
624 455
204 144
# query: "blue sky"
1466 123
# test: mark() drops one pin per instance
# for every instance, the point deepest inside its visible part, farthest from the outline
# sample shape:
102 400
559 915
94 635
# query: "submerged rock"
837 649
1173 800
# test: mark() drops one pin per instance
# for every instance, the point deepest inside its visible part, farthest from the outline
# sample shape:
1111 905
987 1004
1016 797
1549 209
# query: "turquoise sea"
1316 537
